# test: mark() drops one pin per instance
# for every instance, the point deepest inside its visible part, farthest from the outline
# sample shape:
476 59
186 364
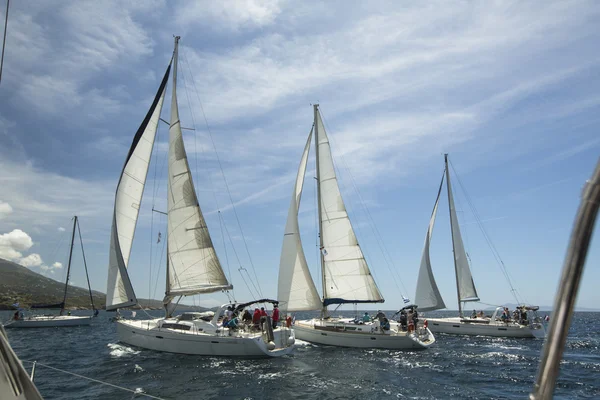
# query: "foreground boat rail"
568 287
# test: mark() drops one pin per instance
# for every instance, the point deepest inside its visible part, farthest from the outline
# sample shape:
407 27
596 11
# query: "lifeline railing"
567 290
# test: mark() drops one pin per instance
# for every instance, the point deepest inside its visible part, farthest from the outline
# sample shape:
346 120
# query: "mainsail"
428 296
464 280
346 277
296 289
192 263
128 197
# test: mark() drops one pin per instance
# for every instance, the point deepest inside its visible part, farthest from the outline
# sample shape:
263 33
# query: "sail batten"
347 278
193 265
428 296
296 289
128 198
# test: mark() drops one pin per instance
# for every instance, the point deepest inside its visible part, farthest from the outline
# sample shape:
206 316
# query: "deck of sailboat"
344 332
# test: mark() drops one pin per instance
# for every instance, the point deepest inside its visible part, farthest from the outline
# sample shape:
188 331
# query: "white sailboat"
428 296
52 320
346 276
192 263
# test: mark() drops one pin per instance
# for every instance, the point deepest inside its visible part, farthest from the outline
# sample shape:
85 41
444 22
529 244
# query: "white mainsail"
128 198
296 289
193 265
466 286
428 296
347 278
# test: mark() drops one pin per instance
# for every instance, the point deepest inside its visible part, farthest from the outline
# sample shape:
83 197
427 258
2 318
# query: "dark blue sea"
455 367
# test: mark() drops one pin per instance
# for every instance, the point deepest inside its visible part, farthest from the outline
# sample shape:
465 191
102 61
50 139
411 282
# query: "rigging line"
221 222
94 380
160 263
487 238
87 276
495 253
226 184
377 234
242 268
206 166
4 41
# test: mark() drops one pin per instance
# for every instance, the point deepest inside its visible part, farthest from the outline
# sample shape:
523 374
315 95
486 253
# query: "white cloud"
61 229
5 209
32 260
57 265
13 243
230 14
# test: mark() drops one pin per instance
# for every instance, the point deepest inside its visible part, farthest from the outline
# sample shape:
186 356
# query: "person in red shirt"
275 316
263 313
256 318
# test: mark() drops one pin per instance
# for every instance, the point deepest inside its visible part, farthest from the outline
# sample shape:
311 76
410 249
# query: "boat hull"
148 335
340 334
460 326
50 322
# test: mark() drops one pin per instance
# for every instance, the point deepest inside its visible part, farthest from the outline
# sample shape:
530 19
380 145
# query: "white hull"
344 333
215 342
49 321
485 327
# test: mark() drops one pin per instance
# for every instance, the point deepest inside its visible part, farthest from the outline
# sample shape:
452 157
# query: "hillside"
18 283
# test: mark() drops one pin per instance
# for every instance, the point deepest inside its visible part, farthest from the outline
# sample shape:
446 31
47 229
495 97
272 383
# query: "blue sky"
509 89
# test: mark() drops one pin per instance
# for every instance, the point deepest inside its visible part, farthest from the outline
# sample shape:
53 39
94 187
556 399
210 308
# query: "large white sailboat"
53 320
524 323
346 276
192 263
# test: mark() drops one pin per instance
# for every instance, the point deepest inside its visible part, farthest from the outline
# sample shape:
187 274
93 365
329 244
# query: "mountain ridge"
22 285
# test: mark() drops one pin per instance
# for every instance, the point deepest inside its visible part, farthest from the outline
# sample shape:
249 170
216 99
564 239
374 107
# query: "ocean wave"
118 350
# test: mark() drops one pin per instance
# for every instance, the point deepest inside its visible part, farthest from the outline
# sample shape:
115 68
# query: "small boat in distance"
19 320
523 322
192 263
346 276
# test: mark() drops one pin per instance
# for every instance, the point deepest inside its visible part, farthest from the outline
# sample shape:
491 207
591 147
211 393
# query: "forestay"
127 204
296 289
346 273
193 265
466 286
428 296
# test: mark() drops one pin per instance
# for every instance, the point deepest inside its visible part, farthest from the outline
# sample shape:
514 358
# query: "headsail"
347 278
466 286
119 292
428 295
193 266
296 289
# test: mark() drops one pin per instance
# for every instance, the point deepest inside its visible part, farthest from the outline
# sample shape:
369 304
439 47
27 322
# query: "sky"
509 89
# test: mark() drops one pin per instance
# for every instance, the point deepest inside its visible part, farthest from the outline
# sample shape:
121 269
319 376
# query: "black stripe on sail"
142 128
328 302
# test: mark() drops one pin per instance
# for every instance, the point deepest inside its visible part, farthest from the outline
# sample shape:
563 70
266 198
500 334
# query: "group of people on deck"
250 320
408 320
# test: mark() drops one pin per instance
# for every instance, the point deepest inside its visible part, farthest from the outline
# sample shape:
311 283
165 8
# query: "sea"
459 367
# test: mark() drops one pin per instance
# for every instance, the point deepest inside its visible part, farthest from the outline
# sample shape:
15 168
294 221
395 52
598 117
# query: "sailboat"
345 274
192 263
525 322
48 321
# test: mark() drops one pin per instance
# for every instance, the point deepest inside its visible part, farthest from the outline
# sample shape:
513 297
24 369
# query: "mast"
451 230
69 265
173 104
322 257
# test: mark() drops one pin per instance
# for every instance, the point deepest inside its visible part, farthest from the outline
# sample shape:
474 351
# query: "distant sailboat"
192 263
429 298
346 276
48 321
